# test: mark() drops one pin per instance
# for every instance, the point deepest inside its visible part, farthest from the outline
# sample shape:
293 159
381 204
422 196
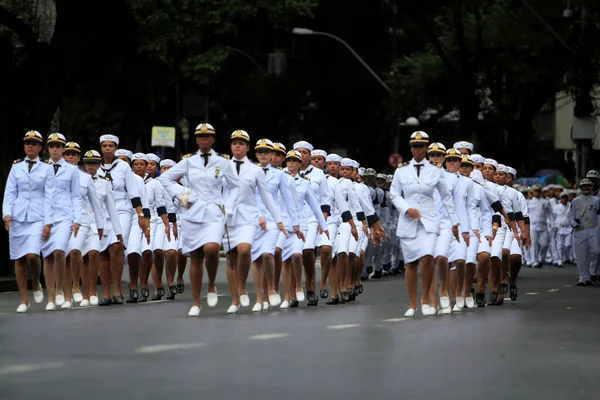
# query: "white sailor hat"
478 158
123 152
536 188
92 156
205 129
477 176
512 171
492 162
370 172
109 138
389 178
502 168
357 165
466 159
347 162
585 181
453 153
33 136
361 171
463 145
279 148
592 174
436 147
321 153
381 176
294 154
153 157
564 193
264 144
73 147
333 158
139 156
167 161
240 134
545 188
56 138
303 145
419 137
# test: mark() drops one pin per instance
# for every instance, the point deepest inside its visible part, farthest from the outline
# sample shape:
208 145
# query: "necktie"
205 156
56 167
30 165
94 177
237 165
418 167
266 169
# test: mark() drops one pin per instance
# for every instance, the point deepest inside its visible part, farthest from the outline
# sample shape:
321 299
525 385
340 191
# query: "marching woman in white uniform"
265 240
27 212
293 245
128 201
67 215
80 256
412 193
277 161
112 230
242 226
207 210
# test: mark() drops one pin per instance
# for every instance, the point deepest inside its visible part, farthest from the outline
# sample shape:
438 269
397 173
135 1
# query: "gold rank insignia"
402 165
226 156
18 161
217 170
188 155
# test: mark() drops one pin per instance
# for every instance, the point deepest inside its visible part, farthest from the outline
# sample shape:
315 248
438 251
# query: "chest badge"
217 170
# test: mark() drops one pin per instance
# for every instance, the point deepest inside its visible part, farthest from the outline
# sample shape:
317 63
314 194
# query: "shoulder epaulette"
226 156
188 155
305 177
439 165
18 161
48 161
279 168
256 163
402 165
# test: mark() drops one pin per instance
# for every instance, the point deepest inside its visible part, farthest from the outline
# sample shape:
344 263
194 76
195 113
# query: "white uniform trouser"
585 243
553 243
386 247
562 245
539 242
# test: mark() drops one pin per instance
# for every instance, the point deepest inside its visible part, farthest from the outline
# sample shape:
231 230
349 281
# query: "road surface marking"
552 290
154 301
346 326
159 348
567 286
24 368
396 319
532 293
267 336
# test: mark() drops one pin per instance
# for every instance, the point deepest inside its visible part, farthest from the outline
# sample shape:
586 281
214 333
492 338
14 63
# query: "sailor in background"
27 212
564 239
583 217
539 211
207 210
67 206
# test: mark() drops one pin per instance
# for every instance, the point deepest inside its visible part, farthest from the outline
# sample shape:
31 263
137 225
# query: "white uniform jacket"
92 208
283 192
109 209
307 197
67 193
318 185
122 180
411 191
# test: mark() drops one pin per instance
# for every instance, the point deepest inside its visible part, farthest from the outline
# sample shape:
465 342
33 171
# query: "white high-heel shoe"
23 308
410 313
284 305
433 311
446 311
212 299
275 300
233 309
59 299
50 306
38 295
300 296
194 311
77 297
266 306
425 309
84 303
257 307
66 305
456 308
460 302
93 300
469 302
244 300
444 302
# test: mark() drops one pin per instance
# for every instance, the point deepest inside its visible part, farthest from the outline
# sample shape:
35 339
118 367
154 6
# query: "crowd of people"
447 211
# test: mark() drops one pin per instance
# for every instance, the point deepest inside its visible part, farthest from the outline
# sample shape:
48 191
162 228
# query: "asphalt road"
546 345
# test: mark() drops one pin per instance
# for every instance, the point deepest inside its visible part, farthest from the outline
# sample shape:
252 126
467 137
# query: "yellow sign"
163 136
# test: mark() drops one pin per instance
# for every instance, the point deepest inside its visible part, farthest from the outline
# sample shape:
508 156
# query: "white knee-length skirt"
473 249
78 243
197 234
342 242
363 240
443 244
423 244
238 234
311 236
332 227
134 244
59 238
265 242
161 242
25 238
458 250
498 242
125 219
291 245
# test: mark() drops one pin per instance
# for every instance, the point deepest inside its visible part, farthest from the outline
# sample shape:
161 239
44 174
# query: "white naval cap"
109 138
279 147
502 168
33 136
56 138
205 129
585 181
419 137
512 171
321 153
463 145
333 158
139 156
592 174
361 171
153 157
436 147
240 134
370 172
492 162
92 156
167 161
381 176
564 193
295 154
73 147
265 144
123 152
478 158
467 159
303 145
453 153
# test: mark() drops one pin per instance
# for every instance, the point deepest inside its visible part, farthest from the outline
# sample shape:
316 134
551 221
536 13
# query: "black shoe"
133 296
351 294
387 267
357 290
160 291
594 278
493 299
589 283
104 302
480 299
394 271
117 300
341 300
504 288
500 301
513 293
472 292
170 296
173 290
360 288
333 301
145 293
345 297
369 270
294 304
580 284
180 288
376 275
311 299
143 299
157 296
324 293
364 277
